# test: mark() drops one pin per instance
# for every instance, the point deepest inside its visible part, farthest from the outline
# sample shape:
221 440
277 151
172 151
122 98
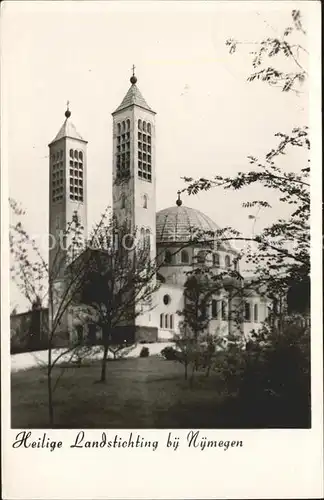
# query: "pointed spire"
133 96
68 129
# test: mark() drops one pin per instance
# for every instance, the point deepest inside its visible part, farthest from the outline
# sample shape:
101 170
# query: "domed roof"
180 223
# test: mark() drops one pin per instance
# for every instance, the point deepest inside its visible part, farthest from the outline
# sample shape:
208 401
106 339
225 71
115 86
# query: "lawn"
139 393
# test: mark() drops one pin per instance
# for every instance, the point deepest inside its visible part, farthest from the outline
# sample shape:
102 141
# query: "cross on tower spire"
133 78
67 112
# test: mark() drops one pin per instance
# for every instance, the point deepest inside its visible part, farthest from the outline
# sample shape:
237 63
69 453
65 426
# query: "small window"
201 257
166 321
256 313
216 260
76 154
184 257
171 321
144 126
167 257
166 299
123 200
247 311
215 308
127 125
118 129
145 201
139 124
123 127
149 128
227 261
80 156
161 320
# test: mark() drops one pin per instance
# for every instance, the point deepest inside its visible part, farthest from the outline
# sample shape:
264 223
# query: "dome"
180 223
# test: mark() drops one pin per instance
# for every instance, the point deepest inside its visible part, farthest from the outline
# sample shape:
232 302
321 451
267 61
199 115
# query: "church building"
171 229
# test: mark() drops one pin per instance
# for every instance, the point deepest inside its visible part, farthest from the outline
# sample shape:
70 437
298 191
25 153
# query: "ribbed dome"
181 223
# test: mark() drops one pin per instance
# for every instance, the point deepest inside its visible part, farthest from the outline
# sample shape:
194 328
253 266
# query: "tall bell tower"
67 187
134 176
134 184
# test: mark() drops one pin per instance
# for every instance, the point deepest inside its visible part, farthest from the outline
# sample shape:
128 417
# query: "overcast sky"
208 117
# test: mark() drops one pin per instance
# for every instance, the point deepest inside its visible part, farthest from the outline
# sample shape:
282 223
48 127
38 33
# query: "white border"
272 463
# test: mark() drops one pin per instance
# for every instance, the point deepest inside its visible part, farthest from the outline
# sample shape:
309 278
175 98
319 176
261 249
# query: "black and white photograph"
157 178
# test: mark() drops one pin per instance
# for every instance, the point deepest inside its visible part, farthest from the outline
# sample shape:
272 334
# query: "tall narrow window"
161 320
224 310
216 260
166 321
171 321
167 257
145 201
123 200
184 257
247 311
256 313
215 308
227 261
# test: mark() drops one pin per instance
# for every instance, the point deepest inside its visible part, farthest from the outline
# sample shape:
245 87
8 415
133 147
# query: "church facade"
170 230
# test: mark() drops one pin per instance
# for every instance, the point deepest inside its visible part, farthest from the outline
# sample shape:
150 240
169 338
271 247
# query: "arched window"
171 321
166 321
247 311
216 260
149 131
76 154
145 201
236 267
123 200
227 261
161 320
118 129
139 124
167 257
144 126
71 153
201 256
80 156
123 127
224 310
256 313
127 124
184 257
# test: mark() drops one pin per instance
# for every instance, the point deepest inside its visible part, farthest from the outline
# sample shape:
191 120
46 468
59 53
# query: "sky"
209 118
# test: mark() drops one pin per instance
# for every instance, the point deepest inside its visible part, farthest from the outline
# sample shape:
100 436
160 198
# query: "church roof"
133 97
182 224
68 130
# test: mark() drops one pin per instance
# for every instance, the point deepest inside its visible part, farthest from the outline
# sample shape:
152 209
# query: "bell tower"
67 188
134 177
134 184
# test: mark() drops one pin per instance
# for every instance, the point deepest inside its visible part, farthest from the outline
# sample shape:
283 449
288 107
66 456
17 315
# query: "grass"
139 393
146 393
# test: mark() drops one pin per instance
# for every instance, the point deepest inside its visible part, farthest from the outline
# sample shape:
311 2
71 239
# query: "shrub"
145 352
169 353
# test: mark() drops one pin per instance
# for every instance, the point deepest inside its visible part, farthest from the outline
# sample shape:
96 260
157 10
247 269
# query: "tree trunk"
192 376
104 364
50 397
